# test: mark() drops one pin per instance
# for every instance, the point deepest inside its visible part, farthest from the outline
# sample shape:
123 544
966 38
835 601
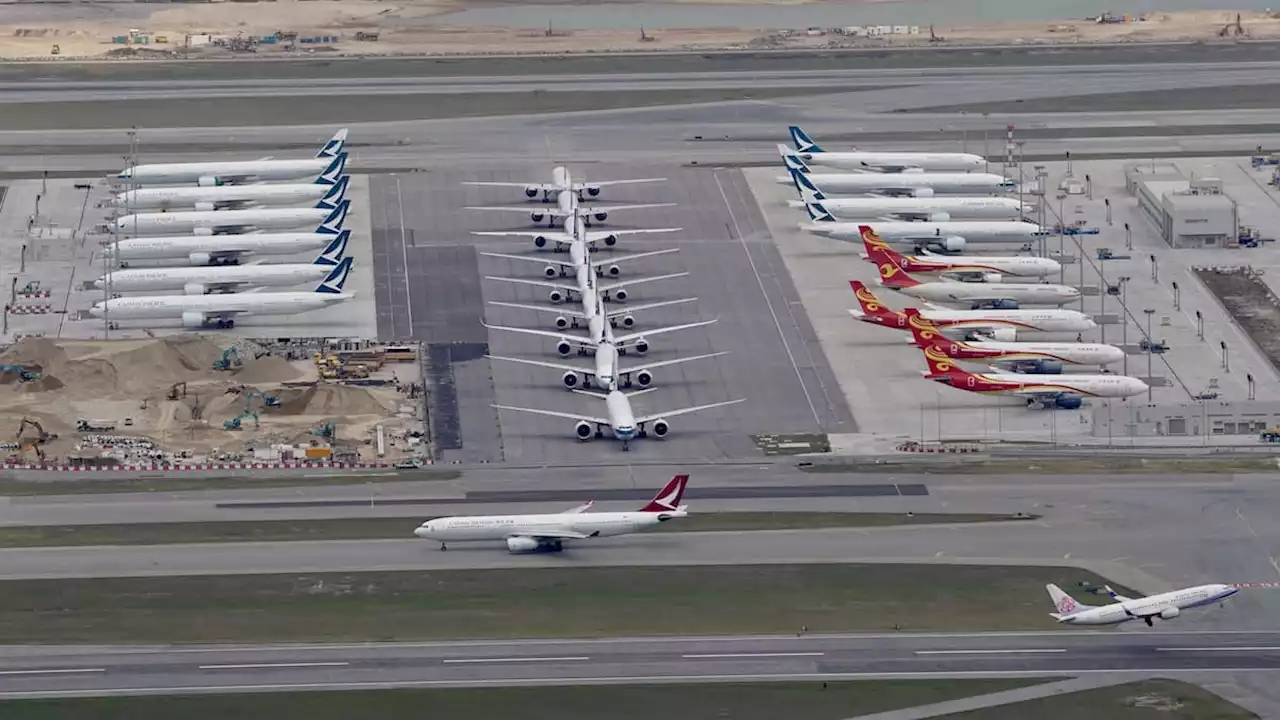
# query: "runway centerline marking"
571 658
53 671
1025 651
257 666
1219 649
718 656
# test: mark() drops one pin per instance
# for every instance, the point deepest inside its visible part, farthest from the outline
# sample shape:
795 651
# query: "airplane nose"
423 530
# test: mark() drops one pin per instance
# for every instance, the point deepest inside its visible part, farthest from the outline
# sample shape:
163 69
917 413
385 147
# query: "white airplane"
222 249
228 278
236 222
579 256
932 209
567 206
1007 296
221 311
565 239
885 162
231 197
566 318
1165 606
1034 357
945 236
562 181
1000 325
601 332
1064 391
908 183
584 281
208 174
982 268
534 533
620 418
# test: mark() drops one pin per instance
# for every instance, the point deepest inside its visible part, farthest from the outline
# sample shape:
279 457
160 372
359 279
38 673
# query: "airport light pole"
1150 348
1177 296
1124 318
1248 378
1062 238
1226 361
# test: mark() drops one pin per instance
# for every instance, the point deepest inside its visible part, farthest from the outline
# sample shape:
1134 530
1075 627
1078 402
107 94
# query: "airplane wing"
540 186
660 331
554 414
543 333
616 311
580 509
686 411
543 363
637 281
1114 595
597 235
531 208
607 183
553 236
533 258
558 309
667 363
553 535
593 209
538 283
624 258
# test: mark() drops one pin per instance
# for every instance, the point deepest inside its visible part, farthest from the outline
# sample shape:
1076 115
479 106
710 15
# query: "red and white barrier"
44 309
199 467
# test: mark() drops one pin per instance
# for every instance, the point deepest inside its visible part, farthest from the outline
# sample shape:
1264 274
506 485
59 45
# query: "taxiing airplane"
932 209
1064 391
1031 357
977 267
221 311
562 181
945 236
1002 295
908 183
886 162
1001 325
548 532
222 249
208 174
1165 606
232 197
236 222
619 417
567 206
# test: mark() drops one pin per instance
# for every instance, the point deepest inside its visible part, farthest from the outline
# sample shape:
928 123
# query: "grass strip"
1155 699
1056 466
87 484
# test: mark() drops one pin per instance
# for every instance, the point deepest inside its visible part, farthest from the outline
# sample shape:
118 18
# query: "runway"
71 671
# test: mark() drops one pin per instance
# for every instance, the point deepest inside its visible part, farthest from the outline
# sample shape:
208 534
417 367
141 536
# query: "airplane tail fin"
870 238
891 276
924 332
334 172
332 225
561 178
806 187
802 141
336 278
336 194
1063 603
668 498
334 147
335 251
817 211
941 366
871 305
795 164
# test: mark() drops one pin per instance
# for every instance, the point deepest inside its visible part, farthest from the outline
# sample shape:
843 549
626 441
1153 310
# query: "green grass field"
86 484
1155 699
402 527
733 701
571 602
1062 466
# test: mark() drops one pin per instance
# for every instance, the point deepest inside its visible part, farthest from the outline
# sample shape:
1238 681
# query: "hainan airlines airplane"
887 162
232 197
534 533
1064 391
1001 325
562 181
1165 606
222 249
978 267
236 222
619 417
1033 357
932 209
567 206
1002 295
906 184
208 174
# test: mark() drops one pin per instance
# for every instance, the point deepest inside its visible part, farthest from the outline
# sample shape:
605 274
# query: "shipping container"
318 453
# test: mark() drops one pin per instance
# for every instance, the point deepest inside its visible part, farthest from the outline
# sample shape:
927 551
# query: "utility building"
1185 213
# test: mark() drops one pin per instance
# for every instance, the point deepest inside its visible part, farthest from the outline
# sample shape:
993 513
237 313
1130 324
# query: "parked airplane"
889 162
229 278
1000 325
1165 606
977 267
222 249
221 311
579 229
548 532
567 206
1002 295
580 256
562 181
620 417
566 318
232 197
584 279
1031 357
946 236
907 183
601 332
208 174
236 222
932 209
1064 391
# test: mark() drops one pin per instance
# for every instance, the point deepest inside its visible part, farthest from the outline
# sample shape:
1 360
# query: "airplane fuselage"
958 207
1015 352
184 246
165 198
500 527
222 220
212 172
1018 265
200 278
1165 605
965 292
872 160
916 232
905 182
1100 386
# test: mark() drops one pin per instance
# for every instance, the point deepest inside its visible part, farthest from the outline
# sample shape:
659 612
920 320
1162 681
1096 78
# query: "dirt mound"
332 400
102 369
44 384
35 351
269 369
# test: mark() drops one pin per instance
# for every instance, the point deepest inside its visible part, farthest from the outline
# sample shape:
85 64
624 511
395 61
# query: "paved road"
69 671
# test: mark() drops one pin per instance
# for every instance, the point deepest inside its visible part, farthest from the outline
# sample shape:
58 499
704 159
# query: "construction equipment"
327 430
25 373
234 423
178 390
87 425
230 360
41 438
267 400
1270 435
1233 28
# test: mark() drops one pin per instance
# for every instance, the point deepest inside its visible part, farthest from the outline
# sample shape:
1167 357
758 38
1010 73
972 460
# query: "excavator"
25 373
234 423
33 443
177 390
229 360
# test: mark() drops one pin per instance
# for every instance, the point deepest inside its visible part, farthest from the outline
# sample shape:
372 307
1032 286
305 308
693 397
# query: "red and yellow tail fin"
941 366
891 274
872 307
923 330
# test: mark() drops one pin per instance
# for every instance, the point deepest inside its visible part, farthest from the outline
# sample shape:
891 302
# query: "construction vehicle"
327 430
25 373
230 360
267 400
178 390
1270 435
42 436
234 423
87 425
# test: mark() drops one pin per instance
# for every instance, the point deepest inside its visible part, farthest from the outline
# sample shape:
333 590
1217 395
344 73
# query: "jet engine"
644 378
628 321
1001 304
954 243
193 288
610 240
204 206
922 192
621 294
992 277
998 334
208 182
531 191
521 544
565 348
613 271
536 216
1043 367
570 379
203 231
593 191
641 346
562 322
583 430
1068 401
540 242
601 216
556 296
1170 613
192 320
200 258
551 271
661 427
939 217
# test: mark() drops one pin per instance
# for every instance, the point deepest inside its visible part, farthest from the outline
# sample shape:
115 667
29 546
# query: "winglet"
668 498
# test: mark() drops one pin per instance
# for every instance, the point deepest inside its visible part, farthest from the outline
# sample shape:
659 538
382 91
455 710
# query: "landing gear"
443 547
1150 622
226 324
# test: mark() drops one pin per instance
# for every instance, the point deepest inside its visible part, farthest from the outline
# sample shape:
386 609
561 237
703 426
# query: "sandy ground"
406 29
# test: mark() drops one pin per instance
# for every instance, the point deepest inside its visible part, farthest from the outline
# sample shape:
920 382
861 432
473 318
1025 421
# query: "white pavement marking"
990 652
717 656
255 666
404 252
1219 649
53 671
1247 526
768 301
573 658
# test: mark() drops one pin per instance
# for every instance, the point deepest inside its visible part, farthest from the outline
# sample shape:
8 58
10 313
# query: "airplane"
236 222
977 267
620 418
946 236
564 291
221 249
600 332
562 181
579 256
227 278
1032 357
908 183
548 532
209 174
567 206
999 325
886 162
564 240
566 318
1064 391
221 311
1001 295
1165 606
933 209
231 197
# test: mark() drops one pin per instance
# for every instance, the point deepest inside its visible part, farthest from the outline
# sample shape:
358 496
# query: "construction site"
185 399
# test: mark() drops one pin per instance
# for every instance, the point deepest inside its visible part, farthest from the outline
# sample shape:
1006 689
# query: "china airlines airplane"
562 181
548 533
1031 357
1006 296
1165 606
1064 391
1002 325
984 268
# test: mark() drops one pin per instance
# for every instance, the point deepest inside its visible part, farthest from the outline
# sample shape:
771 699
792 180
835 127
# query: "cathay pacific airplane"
208 174
567 206
889 162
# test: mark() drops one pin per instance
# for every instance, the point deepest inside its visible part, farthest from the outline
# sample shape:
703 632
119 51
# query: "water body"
823 14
